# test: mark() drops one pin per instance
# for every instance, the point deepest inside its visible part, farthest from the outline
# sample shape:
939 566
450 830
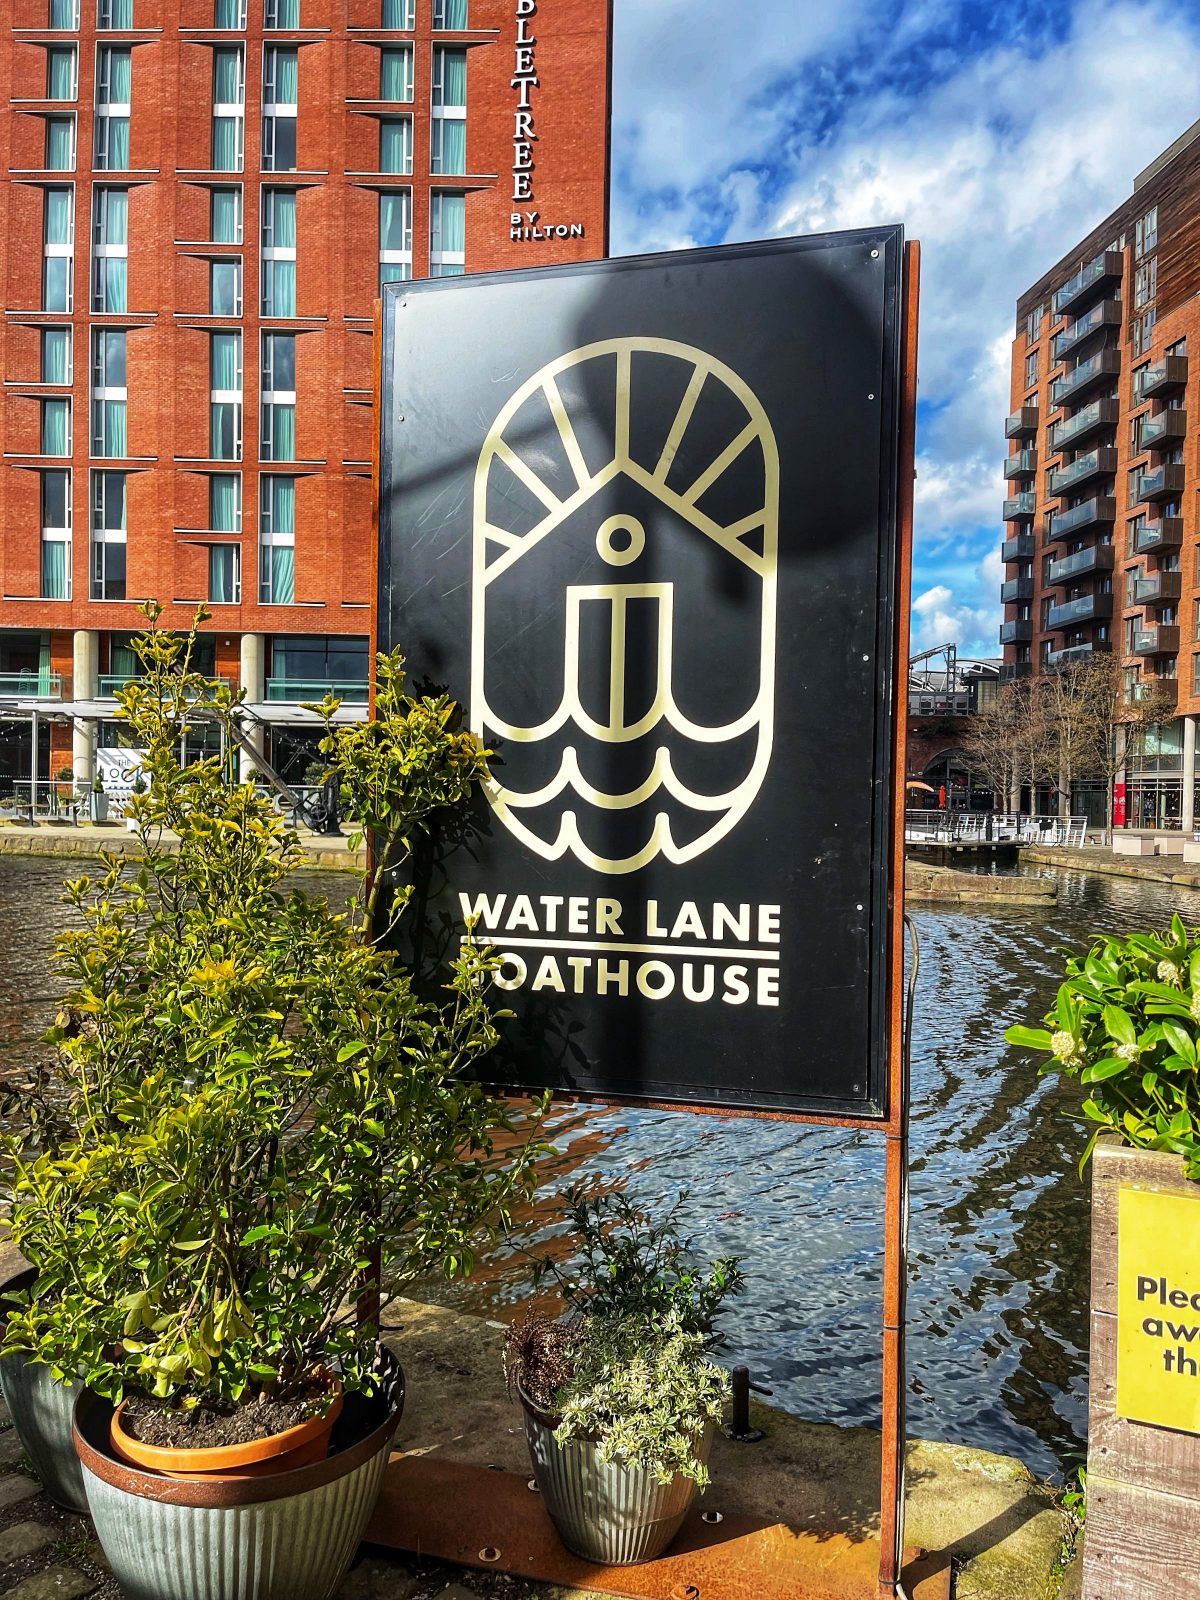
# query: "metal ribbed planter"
607 1513
41 1413
289 1536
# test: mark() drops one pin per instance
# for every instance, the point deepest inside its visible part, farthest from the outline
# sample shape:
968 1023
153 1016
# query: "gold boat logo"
624 591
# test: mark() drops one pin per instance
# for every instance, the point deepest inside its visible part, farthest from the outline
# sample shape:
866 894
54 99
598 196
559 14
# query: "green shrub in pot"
1126 1028
254 1106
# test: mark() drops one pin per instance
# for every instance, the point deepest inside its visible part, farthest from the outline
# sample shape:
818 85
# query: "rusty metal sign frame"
895 1125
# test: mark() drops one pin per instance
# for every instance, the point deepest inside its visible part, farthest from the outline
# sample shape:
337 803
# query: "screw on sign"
686 1591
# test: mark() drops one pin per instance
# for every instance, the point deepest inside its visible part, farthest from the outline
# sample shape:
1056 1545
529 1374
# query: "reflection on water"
998 1304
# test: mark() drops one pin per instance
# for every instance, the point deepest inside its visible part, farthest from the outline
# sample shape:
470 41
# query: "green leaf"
1120 1025
1028 1038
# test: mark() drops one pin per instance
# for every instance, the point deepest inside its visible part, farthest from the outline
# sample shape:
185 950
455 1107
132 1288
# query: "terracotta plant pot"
290 1535
278 1452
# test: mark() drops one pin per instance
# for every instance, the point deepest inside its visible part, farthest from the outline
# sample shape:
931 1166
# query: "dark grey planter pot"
289 1536
41 1413
607 1513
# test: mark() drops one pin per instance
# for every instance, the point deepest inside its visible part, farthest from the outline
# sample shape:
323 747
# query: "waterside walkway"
1099 858
86 841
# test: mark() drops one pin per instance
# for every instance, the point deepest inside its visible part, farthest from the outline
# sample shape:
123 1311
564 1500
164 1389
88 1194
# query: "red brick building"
1101 549
200 199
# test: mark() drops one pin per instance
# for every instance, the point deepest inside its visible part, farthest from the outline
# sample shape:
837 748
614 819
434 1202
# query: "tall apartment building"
1103 533
199 201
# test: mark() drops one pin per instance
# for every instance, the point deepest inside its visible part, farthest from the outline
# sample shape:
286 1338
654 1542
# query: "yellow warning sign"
1158 1308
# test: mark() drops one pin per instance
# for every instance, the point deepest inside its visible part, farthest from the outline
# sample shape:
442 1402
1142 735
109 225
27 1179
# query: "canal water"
999 1238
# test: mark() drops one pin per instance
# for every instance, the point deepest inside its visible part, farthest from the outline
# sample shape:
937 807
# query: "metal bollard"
739 1428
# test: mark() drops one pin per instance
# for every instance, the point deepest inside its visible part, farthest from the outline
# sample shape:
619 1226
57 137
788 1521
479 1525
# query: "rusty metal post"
895 1257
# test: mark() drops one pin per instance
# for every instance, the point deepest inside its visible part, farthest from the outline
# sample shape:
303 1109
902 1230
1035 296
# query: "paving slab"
52 1583
22 1539
15 1488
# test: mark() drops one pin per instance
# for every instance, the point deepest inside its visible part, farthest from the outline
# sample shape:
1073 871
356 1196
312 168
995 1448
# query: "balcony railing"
108 683
1087 420
31 685
1010 671
1100 368
1019 632
1165 534
1088 608
1098 463
1021 465
1102 270
1021 507
1089 515
1156 588
1160 377
1164 431
1164 483
1021 548
1016 589
297 691
1056 660
1160 641
1022 424
1100 558
1151 688
1106 314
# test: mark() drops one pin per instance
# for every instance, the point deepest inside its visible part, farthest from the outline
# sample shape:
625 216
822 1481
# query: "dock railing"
984 828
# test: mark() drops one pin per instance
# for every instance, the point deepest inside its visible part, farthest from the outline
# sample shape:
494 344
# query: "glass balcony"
1160 641
294 691
31 685
1021 507
1150 688
1022 548
1058 659
1022 424
1100 558
1102 272
1087 420
108 683
1105 314
1021 465
1165 534
1091 514
1164 483
1016 589
1156 588
1161 377
1020 632
1010 671
1164 431
1098 463
1103 367
1088 608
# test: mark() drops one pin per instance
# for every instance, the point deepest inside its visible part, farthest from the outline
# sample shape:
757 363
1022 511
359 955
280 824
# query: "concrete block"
1171 846
1132 844
1191 849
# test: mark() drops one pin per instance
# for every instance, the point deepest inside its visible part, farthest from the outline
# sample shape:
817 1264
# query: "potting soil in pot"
210 1427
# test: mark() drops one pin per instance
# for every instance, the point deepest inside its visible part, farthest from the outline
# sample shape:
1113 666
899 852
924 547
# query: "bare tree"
1008 741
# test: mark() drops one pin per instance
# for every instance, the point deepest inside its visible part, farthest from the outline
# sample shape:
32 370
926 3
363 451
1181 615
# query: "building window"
61 72
447 235
277 430
450 14
110 394
448 128
395 236
395 145
278 252
225 397
108 536
1145 283
225 216
56 536
1145 233
225 502
1031 369
303 668
56 428
281 14
56 355
229 99
280 105
114 87
1033 325
225 287
58 246
277 541
1143 332
64 13
401 14
225 574
230 14
60 144
110 250
396 73
114 13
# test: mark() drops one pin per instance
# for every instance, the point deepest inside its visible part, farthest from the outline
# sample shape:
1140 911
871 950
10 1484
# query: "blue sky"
999 136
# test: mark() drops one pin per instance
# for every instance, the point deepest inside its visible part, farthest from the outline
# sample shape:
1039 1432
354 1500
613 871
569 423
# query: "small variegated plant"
1126 1025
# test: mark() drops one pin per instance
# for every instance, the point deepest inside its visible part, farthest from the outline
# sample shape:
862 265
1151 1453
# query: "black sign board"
640 518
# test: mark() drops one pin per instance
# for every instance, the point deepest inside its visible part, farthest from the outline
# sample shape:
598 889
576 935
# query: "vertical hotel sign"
639 517
527 225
